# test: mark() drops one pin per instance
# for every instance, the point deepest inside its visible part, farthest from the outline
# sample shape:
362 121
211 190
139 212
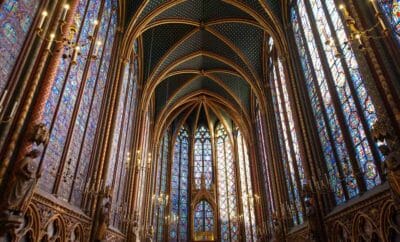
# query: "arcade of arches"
200 120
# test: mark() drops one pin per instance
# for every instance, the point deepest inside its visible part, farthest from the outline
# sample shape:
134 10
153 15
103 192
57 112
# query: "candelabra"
70 44
357 34
171 219
160 200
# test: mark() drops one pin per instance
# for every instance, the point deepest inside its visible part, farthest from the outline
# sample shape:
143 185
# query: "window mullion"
354 94
289 137
323 110
335 99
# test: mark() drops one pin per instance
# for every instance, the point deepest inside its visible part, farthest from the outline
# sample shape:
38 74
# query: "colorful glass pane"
321 101
178 216
391 10
16 17
289 145
228 208
202 158
203 220
247 195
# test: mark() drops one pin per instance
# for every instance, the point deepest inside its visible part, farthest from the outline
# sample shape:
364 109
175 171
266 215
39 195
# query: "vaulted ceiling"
211 48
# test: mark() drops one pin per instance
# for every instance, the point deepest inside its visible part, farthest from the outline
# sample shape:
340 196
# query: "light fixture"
356 34
70 47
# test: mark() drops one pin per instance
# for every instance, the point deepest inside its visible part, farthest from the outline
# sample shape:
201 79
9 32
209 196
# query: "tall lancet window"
73 108
16 18
262 148
203 165
343 110
391 10
203 221
161 197
227 191
178 216
248 198
290 151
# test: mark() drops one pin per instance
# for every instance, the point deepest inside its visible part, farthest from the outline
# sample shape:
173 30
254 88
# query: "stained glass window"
391 10
161 197
290 151
340 102
261 139
16 17
227 191
203 220
178 216
248 198
73 108
202 158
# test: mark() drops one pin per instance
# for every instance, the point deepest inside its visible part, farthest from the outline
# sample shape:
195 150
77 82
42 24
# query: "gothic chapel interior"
200 120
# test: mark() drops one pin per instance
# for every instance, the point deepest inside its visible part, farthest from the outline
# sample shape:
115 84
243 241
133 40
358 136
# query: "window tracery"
342 108
227 191
178 216
73 108
203 165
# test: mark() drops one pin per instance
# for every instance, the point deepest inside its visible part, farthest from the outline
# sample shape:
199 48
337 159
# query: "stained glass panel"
228 209
202 158
178 215
391 10
16 17
203 220
248 198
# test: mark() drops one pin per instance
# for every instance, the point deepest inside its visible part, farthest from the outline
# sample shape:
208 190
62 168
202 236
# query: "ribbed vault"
210 46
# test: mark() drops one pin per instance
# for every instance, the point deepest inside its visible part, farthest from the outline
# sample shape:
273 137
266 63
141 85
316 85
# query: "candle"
378 14
52 36
374 6
42 19
64 13
95 23
344 10
75 54
95 52
14 109
2 99
358 37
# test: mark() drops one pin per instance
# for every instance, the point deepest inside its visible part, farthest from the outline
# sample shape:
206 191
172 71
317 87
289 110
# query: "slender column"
375 60
335 99
37 104
22 71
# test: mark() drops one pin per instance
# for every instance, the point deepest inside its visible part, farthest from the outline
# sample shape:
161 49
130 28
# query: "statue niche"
18 191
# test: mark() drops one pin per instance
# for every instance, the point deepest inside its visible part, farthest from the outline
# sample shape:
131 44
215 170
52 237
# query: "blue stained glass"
248 197
288 140
203 220
179 188
202 158
320 99
343 86
228 210
16 18
57 115
391 10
